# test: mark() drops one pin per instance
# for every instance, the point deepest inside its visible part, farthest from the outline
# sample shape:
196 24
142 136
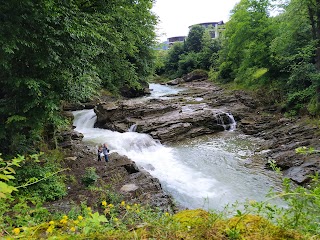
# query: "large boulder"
132 92
196 75
175 81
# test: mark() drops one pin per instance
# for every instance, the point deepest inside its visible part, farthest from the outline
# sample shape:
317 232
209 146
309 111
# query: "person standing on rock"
105 152
100 153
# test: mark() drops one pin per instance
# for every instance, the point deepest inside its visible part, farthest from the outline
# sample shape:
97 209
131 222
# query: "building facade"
173 40
215 28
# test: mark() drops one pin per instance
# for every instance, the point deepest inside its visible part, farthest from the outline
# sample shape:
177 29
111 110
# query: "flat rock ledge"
165 120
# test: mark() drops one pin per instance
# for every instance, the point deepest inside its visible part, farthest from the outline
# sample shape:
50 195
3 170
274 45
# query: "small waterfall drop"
229 124
84 119
133 128
232 122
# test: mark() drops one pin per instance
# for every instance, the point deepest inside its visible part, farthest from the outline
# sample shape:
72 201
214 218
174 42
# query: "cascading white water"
230 125
232 122
206 172
133 128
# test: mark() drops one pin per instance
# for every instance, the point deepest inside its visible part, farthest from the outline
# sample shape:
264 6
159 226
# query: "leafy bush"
90 176
188 62
40 178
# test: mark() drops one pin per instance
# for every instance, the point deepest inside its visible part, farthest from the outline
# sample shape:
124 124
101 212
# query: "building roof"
208 23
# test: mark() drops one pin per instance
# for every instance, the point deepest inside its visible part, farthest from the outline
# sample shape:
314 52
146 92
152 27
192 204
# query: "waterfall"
230 124
84 119
133 128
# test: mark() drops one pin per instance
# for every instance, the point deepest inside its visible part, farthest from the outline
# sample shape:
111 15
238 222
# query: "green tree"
194 39
55 51
209 52
188 62
172 60
246 41
294 55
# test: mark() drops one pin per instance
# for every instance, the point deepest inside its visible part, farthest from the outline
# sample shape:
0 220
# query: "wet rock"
129 188
175 81
286 159
70 158
67 139
302 174
196 75
149 167
163 120
120 173
139 185
73 106
130 92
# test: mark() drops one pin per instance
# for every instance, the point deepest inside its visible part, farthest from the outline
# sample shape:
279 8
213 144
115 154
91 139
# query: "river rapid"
206 172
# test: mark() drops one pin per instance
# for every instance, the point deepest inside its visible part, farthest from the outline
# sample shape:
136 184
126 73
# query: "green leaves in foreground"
6 175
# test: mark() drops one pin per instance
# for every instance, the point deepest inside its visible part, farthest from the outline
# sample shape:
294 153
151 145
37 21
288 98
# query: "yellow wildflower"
167 214
89 209
51 222
116 219
76 222
63 221
110 205
123 203
16 231
65 217
128 207
104 203
72 229
80 218
50 229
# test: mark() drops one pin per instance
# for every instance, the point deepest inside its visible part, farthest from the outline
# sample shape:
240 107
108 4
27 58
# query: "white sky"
177 15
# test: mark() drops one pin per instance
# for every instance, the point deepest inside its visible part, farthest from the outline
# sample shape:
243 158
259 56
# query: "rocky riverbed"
203 108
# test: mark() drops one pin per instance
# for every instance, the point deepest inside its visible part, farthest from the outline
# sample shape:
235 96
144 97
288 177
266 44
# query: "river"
205 172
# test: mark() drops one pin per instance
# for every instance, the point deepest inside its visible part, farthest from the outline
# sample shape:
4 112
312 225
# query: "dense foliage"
278 53
199 51
55 51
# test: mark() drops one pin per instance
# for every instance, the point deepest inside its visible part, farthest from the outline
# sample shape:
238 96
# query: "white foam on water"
144 150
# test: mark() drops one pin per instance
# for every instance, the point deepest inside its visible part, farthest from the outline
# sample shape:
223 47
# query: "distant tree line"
199 51
277 54
66 50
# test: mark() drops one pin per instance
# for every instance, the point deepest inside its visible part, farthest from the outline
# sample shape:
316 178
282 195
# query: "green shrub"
38 177
90 176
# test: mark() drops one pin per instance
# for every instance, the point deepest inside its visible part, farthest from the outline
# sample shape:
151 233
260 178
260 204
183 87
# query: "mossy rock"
193 224
251 227
192 217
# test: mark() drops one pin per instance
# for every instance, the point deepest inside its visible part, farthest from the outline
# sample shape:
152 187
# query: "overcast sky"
177 15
